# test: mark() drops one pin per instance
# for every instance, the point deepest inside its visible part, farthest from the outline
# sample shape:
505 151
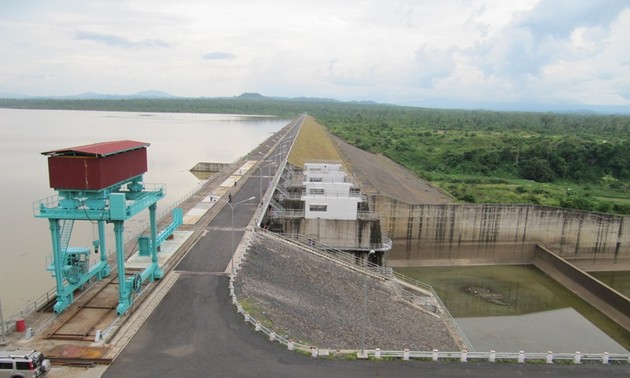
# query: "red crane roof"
101 149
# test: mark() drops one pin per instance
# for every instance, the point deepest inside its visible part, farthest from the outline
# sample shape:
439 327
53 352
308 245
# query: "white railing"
275 213
407 295
434 306
432 355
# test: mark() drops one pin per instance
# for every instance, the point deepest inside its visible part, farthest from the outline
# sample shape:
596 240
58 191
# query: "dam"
192 267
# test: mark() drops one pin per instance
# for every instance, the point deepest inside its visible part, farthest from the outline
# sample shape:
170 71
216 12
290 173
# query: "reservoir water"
178 141
514 308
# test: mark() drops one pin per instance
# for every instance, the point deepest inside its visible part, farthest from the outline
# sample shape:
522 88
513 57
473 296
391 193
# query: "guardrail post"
605 358
578 358
313 352
464 356
234 300
291 345
493 356
377 353
549 359
521 357
406 355
246 315
434 355
272 336
257 327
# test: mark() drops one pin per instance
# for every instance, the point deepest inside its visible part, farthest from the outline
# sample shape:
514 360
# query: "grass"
483 189
313 143
256 312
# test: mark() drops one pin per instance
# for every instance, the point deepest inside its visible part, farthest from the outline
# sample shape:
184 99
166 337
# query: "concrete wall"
341 234
612 303
336 208
209 167
472 231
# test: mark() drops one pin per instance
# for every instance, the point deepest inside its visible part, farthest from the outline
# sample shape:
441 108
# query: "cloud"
219 55
404 52
559 18
116 41
553 30
555 52
433 64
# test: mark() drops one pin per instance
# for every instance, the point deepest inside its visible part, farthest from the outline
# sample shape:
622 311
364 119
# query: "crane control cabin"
101 183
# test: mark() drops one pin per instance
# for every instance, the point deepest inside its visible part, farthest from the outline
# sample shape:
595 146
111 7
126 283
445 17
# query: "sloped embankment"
315 301
375 173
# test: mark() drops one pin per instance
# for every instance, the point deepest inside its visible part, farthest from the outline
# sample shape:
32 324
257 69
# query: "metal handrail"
345 257
286 213
32 307
433 355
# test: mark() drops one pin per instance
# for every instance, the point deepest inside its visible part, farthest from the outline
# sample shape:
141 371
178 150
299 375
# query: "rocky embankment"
317 302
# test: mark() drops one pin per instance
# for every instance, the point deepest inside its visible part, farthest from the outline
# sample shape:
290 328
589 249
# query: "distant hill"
94 96
250 96
258 96
301 101
11 95
101 96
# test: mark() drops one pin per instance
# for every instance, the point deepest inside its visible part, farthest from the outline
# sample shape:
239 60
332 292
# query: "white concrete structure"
329 194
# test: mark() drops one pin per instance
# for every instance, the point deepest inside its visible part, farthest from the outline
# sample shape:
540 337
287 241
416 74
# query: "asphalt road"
195 331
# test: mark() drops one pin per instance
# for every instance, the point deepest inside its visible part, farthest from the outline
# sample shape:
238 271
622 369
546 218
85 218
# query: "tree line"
453 147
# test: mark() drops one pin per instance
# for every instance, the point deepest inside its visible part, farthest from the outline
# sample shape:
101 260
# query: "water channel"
619 281
514 308
178 142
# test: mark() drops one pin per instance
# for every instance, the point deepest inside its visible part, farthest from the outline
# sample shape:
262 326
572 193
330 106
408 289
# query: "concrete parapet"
609 301
209 167
445 226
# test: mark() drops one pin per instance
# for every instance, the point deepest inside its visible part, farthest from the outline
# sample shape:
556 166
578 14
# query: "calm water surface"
619 281
512 308
178 142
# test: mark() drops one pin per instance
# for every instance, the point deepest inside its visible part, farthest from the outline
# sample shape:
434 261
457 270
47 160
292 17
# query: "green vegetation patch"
572 161
313 143
579 161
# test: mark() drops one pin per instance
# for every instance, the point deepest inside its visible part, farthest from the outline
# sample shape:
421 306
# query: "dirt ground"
379 174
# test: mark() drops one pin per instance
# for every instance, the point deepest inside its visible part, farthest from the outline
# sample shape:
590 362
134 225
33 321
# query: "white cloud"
218 55
456 51
117 41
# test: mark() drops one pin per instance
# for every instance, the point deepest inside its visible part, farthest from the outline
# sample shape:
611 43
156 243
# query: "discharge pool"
519 308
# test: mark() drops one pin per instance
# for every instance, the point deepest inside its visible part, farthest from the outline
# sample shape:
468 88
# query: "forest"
579 161
571 160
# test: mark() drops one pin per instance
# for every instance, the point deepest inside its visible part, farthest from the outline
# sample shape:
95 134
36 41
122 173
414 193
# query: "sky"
433 53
